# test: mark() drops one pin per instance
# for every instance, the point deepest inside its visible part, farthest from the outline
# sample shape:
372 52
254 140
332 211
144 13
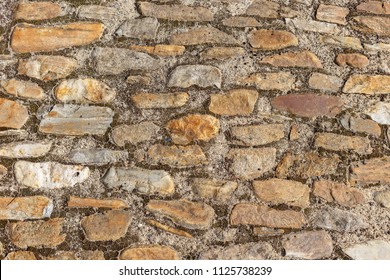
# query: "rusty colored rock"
168 228
25 208
79 202
160 100
234 102
337 142
331 13
222 53
203 35
23 89
367 84
372 171
352 59
272 39
161 50
379 26
12 114
303 59
39 10
149 252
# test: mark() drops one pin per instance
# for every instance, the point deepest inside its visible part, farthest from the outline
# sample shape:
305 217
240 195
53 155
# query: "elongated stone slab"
337 142
379 26
234 102
77 120
80 202
203 76
143 28
374 7
342 41
27 38
149 252
254 135
141 180
370 250
49 175
25 208
303 59
12 114
219 190
161 50
39 10
23 89
272 39
375 84
135 133
374 170
160 100
25 149
20 255
96 156
203 35
313 26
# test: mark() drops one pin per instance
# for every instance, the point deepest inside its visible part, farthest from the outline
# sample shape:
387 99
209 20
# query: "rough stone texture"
332 13
161 50
370 250
337 142
25 149
313 26
240 21
337 220
81 255
169 229
160 100
20 255
39 10
144 28
254 135
374 7
96 156
380 112
303 59
352 59
23 89
283 81
12 114
151 252
203 35
78 202
25 208
134 134
203 76
3 171
383 198
372 25
248 251
377 84
234 102
361 125
374 170
272 39
342 42
219 190
325 82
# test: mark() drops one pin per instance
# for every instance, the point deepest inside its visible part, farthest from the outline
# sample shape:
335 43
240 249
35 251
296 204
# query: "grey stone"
380 112
370 250
204 76
97 156
383 198
144 28
134 134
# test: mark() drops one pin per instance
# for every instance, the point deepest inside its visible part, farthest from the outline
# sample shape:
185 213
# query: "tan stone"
283 81
254 135
72 255
383 198
161 50
203 76
219 190
269 9
222 53
135 133
23 89
47 67
352 59
260 215
332 13
312 26
39 10
23 208
379 26
160 100
203 35
372 171
20 255
234 102
239 21
303 59
272 39
367 84
3 171
32 38
149 252
192 215
168 228
363 126
374 7
192 128
36 233
79 202
139 80
337 142
12 114
25 149
109 226
279 191
325 82
342 42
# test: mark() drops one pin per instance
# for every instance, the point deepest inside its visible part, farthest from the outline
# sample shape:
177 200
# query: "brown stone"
192 215
203 35
192 128
372 171
139 80
240 21
303 59
23 89
338 192
3 171
160 100
176 12
374 7
272 39
36 233
379 26
222 53
367 84
332 13
260 215
219 190
150 252
254 135
32 38
23 208
161 50
38 10
309 245
168 228
134 134
352 59
283 81
79 202
47 67
342 42
312 26
81 255
325 82
234 102
279 191
12 114
308 105
337 142
109 226
362 126
20 255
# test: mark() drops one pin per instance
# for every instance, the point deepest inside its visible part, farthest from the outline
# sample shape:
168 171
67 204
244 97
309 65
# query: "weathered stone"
134 134
24 208
151 252
308 105
222 53
81 255
143 28
84 91
7 61
39 10
361 125
251 163
254 135
20 255
379 26
105 14
266 231
76 120
272 39
374 84
337 142
383 198
160 100
260 215
219 190
370 250
36 233
203 76
338 192
142 180
32 38
79 202
309 245
139 80
176 12
234 102
23 89
12 114
313 26
380 112
279 191
374 170
97 156
16 133
337 220
303 59
332 13
352 59
109 226
161 50
3 171
248 251
325 82
114 61
25 149
47 67
203 35
283 81
269 9
49 175
192 128
342 42
240 21
192 215
168 228
374 7
377 47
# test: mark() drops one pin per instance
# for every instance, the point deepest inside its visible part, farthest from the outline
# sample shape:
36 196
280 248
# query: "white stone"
380 113
25 149
97 156
371 250
313 26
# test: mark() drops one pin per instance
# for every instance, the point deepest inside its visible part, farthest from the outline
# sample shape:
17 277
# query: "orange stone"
23 89
352 59
303 59
20 255
234 102
23 208
12 114
149 252
78 202
272 39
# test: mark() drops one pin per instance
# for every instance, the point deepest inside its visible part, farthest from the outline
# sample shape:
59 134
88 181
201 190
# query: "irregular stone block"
168 228
143 28
25 208
337 142
150 252
342 42
25 149
71 255
325 82
203 76
79 202
370 250
220 190
160 100
12 114
313 26
272 39
20 255
352 59
23 89
374 170
254 135
303 59
331 13
97 156
161 50
367 84
374 7
383 198
380 112
379 26
234 102
134 134
39 10
361 125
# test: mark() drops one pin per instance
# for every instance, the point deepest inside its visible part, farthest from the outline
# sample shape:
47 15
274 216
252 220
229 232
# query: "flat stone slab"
25 208
135 133
25 149
149 252
12 114
370 250
220 190
234 102
203 76
81 202
371 171
160 100
23 89
97 156
255 135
